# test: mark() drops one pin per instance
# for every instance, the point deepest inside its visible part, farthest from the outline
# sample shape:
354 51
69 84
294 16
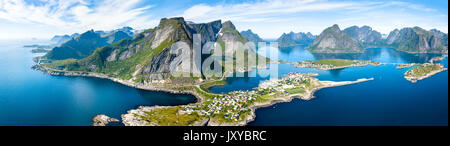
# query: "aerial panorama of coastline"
221 68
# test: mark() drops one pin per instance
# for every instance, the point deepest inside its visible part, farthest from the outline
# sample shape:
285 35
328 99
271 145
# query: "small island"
406 65
424 71
40 48
230 109
329 64
103 120
437 59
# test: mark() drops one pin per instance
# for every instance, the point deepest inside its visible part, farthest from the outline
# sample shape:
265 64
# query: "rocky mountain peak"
228 24
333 40
365 35
335 27
418 40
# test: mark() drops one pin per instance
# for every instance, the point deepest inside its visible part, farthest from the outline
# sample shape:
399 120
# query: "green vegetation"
236 33
424 70
78 48
125 68
295 91
60 63
168 116
206 86
334 62
204 94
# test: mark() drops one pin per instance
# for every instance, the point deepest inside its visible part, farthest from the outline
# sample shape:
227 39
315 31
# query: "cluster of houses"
292 80
231 104
307 64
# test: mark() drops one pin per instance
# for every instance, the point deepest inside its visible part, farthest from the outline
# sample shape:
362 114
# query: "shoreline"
416 79
333 68
129 119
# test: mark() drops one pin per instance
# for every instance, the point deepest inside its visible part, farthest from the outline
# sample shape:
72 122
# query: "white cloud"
259 10
77 15
270 18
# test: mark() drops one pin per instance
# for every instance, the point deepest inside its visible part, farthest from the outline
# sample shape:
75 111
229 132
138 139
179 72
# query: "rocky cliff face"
147 57
418 40
392 36
365 36
293 39
251 37
333 40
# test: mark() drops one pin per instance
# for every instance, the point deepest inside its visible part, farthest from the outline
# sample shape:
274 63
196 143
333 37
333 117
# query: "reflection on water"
30 97
40 99
385 55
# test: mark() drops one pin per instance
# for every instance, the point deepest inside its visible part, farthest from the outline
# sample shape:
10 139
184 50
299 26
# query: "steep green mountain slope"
147 58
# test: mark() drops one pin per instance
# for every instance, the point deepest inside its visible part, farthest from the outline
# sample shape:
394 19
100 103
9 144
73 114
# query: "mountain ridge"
147 57
293 39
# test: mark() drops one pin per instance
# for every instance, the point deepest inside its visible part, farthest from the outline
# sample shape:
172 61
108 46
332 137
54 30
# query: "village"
232 105
329 64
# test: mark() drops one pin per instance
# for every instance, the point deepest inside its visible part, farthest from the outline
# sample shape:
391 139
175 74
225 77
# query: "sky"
268 18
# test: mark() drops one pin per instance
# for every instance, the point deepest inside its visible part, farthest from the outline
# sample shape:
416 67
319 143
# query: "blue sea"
388 100
29 97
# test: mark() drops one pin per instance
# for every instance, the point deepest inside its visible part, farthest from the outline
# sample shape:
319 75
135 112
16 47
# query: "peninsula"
230 109
103 120
424 71
406 65
329 64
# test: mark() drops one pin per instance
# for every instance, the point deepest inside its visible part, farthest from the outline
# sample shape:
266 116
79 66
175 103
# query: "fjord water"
30 97
387 100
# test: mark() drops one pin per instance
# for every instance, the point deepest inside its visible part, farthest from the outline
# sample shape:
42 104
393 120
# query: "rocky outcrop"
103 120
333 40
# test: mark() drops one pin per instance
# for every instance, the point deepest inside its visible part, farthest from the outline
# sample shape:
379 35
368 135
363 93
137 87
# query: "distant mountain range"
61 39
79 46
251 37
294 39
119 45
418 40
147 56
356 39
